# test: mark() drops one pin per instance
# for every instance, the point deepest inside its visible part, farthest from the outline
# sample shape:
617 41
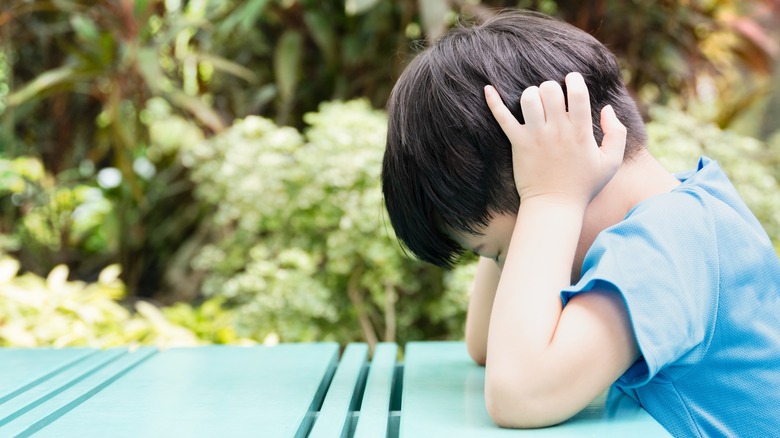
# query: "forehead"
488 238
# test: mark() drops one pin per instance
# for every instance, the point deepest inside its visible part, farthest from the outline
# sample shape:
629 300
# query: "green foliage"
83 84
209 321
98 65
53 311
304 52
302 246
104 106
59 213
678 140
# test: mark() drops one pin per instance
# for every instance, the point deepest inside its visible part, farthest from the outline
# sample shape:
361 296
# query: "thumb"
614 142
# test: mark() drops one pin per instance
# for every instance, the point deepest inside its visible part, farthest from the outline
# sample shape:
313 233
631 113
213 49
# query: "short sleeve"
662 258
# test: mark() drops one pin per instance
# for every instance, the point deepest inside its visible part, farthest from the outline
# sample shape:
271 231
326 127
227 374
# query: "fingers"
614 142
579 101
532 107
553 102
546 104
542 104
500 112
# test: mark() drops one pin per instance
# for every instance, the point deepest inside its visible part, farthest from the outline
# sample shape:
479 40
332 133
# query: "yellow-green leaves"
55 311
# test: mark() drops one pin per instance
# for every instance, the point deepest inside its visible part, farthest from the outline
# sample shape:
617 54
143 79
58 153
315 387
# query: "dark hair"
448 166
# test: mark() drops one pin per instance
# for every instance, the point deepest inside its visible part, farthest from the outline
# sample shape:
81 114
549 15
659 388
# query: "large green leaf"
149 66
243 17
86 29
199 109
37 87
230 67
287 63
434 17
321 28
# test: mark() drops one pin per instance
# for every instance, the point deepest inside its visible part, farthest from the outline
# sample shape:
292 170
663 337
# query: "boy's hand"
555 155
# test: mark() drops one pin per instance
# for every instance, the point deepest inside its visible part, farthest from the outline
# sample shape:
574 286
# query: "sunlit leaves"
57 312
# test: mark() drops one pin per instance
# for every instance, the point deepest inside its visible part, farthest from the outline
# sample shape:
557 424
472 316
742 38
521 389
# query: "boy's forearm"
480 306
526 311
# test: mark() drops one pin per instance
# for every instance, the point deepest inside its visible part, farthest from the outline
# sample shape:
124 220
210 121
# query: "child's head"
448 165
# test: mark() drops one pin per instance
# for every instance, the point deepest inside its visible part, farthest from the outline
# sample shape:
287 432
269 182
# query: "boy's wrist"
565 203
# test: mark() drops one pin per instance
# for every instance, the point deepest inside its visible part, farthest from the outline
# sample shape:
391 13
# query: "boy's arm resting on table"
480 305
545 363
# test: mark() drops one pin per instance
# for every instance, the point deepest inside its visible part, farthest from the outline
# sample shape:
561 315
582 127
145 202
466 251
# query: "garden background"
207 171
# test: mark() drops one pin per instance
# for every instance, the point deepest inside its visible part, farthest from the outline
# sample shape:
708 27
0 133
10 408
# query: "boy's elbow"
477 352
476 343
511 404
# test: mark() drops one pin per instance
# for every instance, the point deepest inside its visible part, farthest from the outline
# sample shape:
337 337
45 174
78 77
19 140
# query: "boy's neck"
637 180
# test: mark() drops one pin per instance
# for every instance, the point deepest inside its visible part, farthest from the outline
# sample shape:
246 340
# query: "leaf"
16 334
434 17
230 67
243 17
151 313
85 29
149 67
140 8
200 110
252 10
109 274
8 269
57 278
42 83
356 7
322 31
287 63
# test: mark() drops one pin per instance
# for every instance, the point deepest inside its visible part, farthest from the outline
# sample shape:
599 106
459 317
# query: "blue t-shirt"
701 282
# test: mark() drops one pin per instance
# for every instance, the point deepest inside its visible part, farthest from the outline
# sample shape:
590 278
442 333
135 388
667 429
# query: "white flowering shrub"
301 244
679 139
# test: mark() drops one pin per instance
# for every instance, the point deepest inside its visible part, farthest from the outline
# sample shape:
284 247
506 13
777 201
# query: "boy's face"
493 243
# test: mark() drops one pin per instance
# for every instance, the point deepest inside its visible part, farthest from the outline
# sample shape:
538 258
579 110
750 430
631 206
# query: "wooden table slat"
375 408
290 390
76 392
443 395
24 368
208 391
56 383
337 409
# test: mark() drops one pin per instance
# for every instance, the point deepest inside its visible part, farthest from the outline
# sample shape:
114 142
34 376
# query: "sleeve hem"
646 367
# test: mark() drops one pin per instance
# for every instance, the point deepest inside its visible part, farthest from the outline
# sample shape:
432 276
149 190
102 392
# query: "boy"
597 267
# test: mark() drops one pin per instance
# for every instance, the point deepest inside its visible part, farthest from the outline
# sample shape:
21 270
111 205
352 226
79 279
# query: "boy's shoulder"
704 198
702 224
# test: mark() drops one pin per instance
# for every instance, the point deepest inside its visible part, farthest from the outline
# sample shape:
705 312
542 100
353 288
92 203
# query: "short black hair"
448 165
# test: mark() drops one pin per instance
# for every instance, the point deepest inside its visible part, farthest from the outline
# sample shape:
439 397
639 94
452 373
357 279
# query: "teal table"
290 390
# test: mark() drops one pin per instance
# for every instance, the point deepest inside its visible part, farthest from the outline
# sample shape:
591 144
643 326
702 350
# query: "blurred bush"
105 105
300 244
678 139
301 247
296 244
95 65
62 217
82 83
53 311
